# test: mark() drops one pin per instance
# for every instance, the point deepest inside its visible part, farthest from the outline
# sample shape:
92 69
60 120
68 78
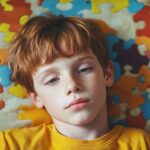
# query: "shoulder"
134 132
22 136
134 136
27 131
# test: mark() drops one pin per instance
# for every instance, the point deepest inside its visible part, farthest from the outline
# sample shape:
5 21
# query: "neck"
98 127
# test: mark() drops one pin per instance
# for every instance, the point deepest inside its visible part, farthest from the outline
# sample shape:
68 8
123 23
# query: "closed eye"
85 70
52 81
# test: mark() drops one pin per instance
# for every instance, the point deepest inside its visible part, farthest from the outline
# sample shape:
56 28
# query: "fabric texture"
46 137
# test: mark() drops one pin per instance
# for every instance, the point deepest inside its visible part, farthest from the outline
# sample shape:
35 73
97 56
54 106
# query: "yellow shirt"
46 137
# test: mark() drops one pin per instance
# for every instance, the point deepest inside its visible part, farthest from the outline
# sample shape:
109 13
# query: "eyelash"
52 81
85 70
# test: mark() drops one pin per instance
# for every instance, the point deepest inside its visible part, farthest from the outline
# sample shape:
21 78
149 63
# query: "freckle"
2 104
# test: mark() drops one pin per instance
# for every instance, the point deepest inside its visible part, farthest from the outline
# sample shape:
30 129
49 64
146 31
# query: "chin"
82 121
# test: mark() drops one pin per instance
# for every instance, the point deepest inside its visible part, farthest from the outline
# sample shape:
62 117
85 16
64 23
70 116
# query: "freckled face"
73 90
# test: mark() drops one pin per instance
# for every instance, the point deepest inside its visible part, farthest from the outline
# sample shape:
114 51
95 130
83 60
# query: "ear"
109 74
36 100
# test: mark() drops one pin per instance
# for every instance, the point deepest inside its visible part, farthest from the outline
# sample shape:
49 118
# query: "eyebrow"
85 57
42 74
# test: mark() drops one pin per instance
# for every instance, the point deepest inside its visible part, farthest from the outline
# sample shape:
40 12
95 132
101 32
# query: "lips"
79 102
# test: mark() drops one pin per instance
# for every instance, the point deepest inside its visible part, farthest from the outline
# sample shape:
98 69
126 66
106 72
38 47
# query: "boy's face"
73 90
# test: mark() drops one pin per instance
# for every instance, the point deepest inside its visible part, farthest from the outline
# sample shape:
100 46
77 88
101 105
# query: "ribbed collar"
103 142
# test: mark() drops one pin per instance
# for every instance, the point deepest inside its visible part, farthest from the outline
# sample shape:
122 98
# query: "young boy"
63 62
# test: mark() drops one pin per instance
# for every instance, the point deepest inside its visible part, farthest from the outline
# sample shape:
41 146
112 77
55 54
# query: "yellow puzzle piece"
65 1
18 91
4 27
6 5
38 116
117 5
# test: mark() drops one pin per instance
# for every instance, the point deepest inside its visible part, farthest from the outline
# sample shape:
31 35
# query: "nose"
73 86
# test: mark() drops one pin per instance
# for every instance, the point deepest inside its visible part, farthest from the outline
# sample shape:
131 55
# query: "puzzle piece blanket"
126 26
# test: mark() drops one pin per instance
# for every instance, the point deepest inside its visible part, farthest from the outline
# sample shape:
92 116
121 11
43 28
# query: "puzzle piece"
2 104
65 1
1 89
128 44
23 19
119 118
137 121
64 6
143 78
135 6
111 40
122 87
134 101
114 110
121 21
143 43
133 90
36 8
143 15
8 34
20 8
5 74
144 51
5 4
38 116
117 5
18 91
146 105
68 9
125 57
143 40
3 56
117 72
9 113
125 88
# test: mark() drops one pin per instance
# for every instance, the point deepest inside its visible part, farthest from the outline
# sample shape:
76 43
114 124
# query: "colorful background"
126 25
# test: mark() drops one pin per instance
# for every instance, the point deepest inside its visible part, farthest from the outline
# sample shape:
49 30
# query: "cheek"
51 98
97 86
95 81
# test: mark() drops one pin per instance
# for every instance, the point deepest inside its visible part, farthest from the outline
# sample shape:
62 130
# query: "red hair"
44 38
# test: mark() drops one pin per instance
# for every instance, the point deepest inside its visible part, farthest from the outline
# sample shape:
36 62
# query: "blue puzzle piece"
146 106
135 6
117 72
128 44
111 40
77 5
115 99
5 74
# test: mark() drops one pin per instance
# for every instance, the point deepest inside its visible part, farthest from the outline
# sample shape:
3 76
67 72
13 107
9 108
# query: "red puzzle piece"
143 15
20 8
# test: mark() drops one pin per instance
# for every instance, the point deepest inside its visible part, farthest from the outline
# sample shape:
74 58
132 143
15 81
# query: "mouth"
78 104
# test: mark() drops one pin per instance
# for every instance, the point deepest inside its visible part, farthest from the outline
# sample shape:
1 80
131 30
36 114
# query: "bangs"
66 43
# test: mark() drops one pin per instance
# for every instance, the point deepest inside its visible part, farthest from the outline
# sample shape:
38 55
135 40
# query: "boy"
63 62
